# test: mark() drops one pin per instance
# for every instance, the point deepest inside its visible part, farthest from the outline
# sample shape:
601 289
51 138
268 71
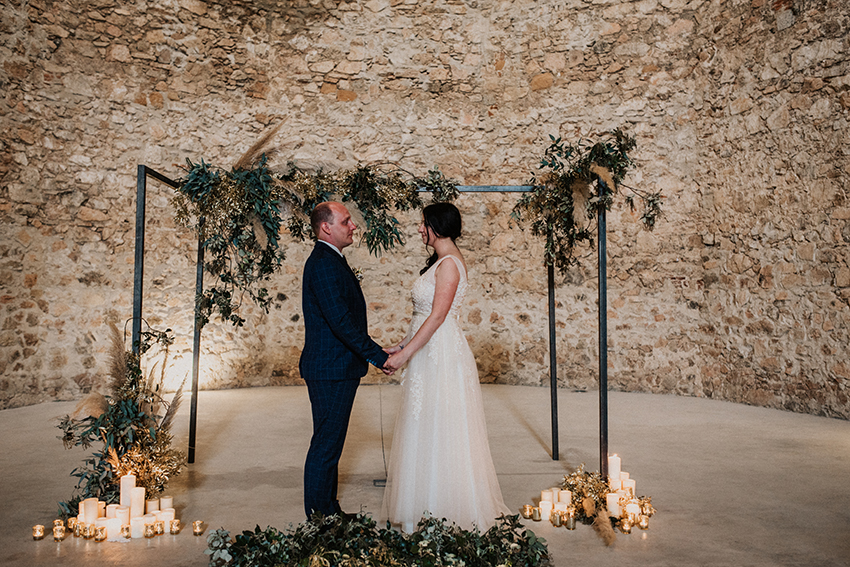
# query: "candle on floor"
149 530
526 511
110 510
629 485
565 496
546 510
58 533
615 484
137 527
72 522
626 526
101 509
113 528
546 496
128 483
152 505
614 466
125 531
137 502
570 519
624 475
633 510
643 521
90 510
167 515
535 514
174 527
123 514
612 499
561 506
38 531
166 502
198 527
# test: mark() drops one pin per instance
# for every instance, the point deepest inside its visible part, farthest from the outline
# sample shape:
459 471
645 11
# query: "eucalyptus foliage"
358 542
238 215
577 182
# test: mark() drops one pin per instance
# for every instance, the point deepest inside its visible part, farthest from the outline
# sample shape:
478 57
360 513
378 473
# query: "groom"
337 350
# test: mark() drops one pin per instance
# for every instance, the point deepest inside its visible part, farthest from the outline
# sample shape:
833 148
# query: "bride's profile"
440 462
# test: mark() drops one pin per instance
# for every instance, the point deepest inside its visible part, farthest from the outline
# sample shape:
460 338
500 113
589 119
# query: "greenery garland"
238 215
358 542
580 181
136 438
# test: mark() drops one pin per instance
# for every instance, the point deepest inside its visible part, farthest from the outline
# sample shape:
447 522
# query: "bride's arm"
447 278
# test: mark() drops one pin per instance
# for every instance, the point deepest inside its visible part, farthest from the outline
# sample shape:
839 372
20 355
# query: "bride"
440 461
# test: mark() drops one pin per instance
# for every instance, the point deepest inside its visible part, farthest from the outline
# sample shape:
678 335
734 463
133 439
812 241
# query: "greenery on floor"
358 542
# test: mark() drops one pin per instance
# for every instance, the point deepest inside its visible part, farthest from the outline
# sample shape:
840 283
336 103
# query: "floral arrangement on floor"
589 496
358 542
238 215
132 421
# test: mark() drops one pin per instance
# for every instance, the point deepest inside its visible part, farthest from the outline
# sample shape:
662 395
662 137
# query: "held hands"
395 361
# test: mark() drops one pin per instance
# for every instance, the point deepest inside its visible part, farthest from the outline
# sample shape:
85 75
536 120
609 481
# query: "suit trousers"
331 402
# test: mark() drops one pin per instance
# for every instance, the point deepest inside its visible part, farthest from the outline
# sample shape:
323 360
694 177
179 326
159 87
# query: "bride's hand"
392 350
396 360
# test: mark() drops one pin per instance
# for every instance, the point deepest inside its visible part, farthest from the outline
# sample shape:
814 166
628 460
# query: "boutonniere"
358 273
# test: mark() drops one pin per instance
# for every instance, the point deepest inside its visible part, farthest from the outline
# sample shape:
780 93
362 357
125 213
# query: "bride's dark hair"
444 220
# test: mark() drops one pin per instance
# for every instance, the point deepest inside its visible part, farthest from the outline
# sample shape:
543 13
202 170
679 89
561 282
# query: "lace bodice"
425 285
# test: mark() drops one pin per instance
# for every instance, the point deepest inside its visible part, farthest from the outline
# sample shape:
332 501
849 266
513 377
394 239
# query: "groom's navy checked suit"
337 352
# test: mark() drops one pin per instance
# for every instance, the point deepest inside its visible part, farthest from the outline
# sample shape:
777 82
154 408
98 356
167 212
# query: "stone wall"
740 110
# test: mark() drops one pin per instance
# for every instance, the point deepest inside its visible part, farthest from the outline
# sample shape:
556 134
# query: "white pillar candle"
629 485
137 527
137 502
565 496
123 514
152 506
113 528
81 508
545 496
90 510
110 510
546 510
561 506
615 484
101 509
614 467
633 508
613 502
166 515
81 519
166 502
100 522
624 475
128 483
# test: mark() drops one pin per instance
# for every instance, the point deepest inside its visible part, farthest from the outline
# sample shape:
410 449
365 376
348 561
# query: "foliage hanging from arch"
579 181
238 215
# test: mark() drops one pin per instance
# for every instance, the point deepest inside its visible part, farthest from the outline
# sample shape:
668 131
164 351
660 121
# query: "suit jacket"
337 345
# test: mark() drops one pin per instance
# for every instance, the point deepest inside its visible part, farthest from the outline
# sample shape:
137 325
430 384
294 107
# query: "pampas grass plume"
602 526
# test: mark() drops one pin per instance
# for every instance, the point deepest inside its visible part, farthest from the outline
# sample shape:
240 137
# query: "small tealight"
159 527
100 533
556 518
58 532
643 522
535 514
525 511
198 527
38 531
126 533
78 529
149 530
174 527
72 523
626 526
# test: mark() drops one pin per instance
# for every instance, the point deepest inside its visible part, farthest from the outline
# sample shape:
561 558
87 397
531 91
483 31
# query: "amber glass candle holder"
126 532
159 527
100 533
174 526
149 530
38 531
198 527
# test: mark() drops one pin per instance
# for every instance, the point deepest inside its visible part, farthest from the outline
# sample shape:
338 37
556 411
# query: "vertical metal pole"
139 264
603 347
196 349
553 364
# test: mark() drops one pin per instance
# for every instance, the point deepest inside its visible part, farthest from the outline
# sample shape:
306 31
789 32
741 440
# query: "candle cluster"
584 495
133 517
622 502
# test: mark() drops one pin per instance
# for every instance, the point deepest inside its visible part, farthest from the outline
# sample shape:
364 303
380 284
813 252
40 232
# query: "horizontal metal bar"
161 177
494 188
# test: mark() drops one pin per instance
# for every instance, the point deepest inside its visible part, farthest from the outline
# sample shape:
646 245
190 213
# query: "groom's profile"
337 351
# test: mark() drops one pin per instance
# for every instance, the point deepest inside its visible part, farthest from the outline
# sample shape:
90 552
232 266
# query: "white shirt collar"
338 251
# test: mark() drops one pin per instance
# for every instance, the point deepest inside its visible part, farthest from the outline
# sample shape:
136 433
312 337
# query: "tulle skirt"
440 462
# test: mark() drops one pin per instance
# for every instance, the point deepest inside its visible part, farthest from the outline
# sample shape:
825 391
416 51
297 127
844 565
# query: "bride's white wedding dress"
440 460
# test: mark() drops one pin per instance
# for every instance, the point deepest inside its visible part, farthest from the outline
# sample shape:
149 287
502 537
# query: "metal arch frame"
138 278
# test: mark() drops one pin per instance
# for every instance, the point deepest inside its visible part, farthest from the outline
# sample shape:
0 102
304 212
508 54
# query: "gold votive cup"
535 514
526 511
100 533
556 518
38 531
149 530
198 527
643 522
570 518
159 527
72 523
58 532
174 526
626 527
58 523
126 531
78 529
88 531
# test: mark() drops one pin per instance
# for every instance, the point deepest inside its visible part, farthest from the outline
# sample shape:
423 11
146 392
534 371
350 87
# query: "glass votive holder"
38 531
58 523
526 511
535 514
88 531
72 523
198 527
626 526
100 533
125 531
149 530
78 529
174 526
643 522
159 527
570 518
557 518
58 532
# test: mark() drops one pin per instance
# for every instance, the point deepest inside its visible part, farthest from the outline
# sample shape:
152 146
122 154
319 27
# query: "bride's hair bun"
444 221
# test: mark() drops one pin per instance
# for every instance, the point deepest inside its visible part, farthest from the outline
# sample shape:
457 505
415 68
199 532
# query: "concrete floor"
733 485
